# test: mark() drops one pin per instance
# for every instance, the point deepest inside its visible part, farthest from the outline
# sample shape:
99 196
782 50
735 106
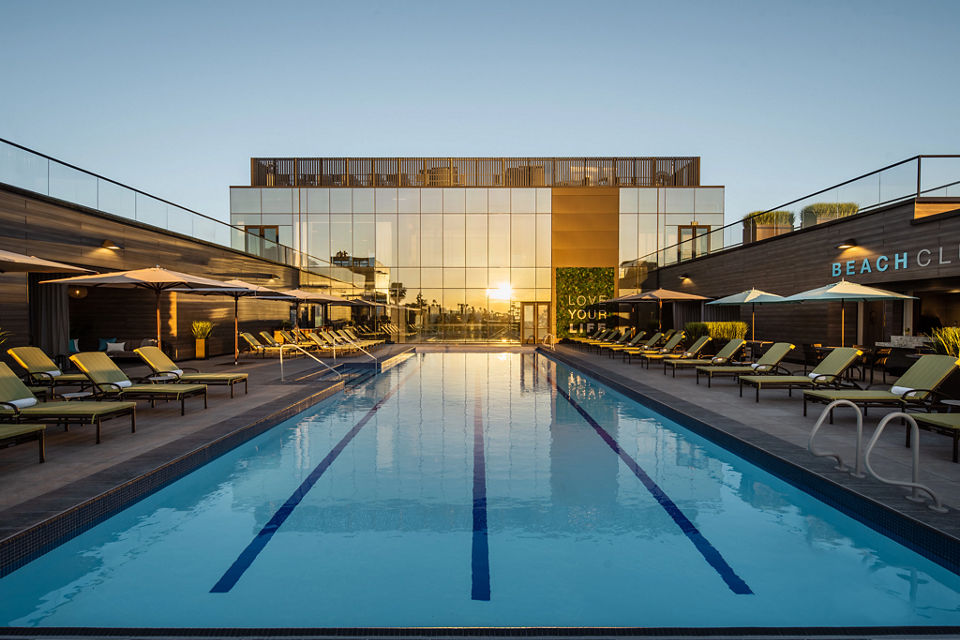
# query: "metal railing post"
915 485
309 355
857 470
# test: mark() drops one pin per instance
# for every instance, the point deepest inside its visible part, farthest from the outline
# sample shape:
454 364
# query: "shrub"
727 330
201 328
780 218
696 330
822 211
946 340
4 335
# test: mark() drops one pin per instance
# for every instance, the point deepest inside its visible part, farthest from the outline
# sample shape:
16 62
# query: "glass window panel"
454 277
431 240
476 278
453 240
628 201
476 299
544 197
386 200
679 218
410 277
543 295
708 200
678 200
544 241
498 277
408 240
498 200
476 200
244 200
523 200
387 239
523 278
277 200
454 201
628 237
277 218
364 236
431 277
523 240
476 241
646 236
180 220
408 200
543 279
245 219
120 201
151 211
317 236
498 243
318 200
71 185
647 200
524 295
341 237
363 200
24 169
341 201
285 235
431 200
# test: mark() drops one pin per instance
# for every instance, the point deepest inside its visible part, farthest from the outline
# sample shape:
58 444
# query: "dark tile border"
202 446
935 536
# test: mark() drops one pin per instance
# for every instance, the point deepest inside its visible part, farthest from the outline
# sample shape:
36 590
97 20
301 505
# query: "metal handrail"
551 343
915 485
308 354
356 345
857 471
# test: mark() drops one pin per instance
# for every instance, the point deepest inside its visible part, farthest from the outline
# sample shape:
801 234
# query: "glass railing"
920 176
26 169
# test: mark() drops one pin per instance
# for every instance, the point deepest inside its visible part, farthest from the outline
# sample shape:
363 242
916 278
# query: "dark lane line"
248 555
707 550
480 565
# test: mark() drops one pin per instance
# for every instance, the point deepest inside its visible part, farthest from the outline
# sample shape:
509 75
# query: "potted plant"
824 211
759 225
201 331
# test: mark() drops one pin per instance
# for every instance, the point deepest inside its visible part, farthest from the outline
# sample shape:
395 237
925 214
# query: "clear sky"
778 98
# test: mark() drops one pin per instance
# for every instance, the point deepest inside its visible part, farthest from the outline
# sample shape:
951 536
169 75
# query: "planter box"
754 232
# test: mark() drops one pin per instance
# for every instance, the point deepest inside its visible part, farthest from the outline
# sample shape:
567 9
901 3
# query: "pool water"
479 490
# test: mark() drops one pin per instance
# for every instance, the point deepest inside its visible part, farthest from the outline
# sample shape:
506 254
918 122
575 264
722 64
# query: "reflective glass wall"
651 218
451 263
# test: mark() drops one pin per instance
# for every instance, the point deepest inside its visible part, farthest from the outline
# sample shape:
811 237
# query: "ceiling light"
110 244
849 243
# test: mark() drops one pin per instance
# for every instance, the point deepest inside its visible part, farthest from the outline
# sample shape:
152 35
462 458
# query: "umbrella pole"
236 330
843 313
753 323
659 315
158 319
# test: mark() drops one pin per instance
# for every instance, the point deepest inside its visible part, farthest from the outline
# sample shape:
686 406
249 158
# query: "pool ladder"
916 488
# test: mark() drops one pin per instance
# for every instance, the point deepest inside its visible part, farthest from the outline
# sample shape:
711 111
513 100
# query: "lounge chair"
769 363
915 388
829 373
672 344
167 369
289 338
593 336
646 346
634 341
724 357
268 339
671 347
18 404
257 347
42 371
11 434
110 381
689 354
947 424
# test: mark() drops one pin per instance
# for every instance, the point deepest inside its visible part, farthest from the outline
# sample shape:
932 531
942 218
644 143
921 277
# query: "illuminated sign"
899 261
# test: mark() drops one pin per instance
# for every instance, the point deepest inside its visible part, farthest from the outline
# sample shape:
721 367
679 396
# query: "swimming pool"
479 490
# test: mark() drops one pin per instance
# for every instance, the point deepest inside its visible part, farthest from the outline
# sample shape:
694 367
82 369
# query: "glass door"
694 241
534 322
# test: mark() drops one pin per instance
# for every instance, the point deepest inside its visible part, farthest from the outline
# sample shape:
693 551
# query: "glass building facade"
465 249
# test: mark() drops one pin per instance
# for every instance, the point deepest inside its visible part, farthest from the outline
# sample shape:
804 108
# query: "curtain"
49 314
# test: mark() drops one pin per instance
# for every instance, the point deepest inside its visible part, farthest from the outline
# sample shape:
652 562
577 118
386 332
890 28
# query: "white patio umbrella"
844 291
156 279
18 262
752 297
238 289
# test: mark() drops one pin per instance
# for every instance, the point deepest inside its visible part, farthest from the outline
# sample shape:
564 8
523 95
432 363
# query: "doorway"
263 241
534 322
694 240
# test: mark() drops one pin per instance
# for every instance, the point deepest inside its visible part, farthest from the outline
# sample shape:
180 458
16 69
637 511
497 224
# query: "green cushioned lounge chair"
268 339
769 363
646 346
947 424
11 434
18 404
42 371
353 336
724 357
914 388
689 354
633 343
670 347
110 381
593 336
167 369
829 373
257 347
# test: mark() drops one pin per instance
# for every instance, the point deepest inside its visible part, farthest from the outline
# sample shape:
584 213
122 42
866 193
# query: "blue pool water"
479 490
